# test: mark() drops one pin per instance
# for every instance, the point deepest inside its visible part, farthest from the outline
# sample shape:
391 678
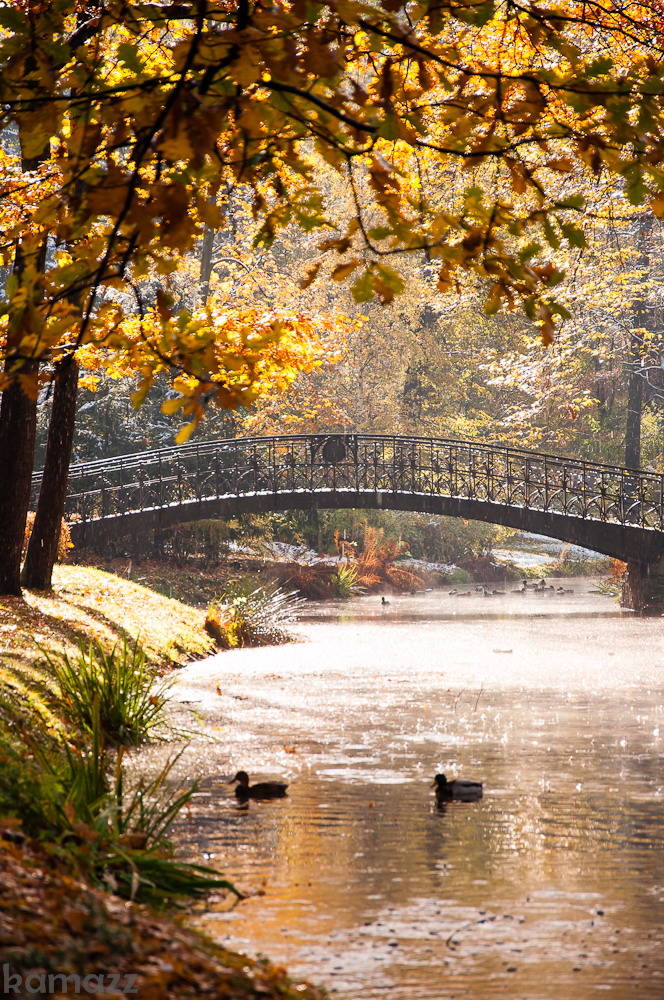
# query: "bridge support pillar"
643 587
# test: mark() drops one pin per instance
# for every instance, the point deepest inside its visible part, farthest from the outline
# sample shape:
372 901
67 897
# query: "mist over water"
552 886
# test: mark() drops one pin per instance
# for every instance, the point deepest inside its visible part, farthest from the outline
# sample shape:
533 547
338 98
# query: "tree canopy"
467 132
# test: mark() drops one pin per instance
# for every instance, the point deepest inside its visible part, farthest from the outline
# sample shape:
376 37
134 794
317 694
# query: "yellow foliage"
230 357
464 132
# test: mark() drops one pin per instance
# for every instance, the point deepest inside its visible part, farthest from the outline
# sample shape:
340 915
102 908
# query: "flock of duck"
527 587
457 790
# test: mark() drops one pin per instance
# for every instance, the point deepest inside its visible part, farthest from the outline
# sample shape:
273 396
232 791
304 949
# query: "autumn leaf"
363 288
343 270
185 432
310 275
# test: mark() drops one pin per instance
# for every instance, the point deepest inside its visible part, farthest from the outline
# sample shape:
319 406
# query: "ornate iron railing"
362 463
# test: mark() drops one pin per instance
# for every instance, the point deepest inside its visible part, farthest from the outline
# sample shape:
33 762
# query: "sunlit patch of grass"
86 604
27 696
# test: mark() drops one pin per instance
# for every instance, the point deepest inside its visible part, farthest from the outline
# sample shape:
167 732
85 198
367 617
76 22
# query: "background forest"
426 363
430 364
230 219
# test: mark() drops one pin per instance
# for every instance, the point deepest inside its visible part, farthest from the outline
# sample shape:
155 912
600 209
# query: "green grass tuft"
119 686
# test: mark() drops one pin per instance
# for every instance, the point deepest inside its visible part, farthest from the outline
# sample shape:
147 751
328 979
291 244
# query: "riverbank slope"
53 922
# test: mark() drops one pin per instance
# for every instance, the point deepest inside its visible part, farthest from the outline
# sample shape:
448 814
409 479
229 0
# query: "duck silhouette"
459 790
383 600
261 790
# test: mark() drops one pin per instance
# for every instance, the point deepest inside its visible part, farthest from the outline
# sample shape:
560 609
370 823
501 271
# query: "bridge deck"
611 509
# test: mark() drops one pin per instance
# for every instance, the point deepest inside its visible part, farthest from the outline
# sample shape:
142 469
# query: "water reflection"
551 886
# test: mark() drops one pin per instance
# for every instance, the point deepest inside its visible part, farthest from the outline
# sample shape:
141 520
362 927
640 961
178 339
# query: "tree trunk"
641 322
18 424
633 426
205 272
18 427
43 544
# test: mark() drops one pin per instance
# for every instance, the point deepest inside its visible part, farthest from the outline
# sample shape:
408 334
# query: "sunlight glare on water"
552 886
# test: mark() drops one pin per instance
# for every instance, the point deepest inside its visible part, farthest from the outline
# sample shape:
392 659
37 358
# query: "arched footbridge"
615 511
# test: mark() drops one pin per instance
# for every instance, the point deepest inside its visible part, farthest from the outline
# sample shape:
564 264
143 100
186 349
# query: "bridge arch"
615 511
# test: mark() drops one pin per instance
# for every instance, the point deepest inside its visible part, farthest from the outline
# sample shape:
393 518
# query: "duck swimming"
458 790
262 790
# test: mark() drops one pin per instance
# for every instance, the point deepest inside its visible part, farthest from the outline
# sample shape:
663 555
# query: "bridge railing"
361 463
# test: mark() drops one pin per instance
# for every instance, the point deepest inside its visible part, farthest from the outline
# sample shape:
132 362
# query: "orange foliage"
64 541
617 570
126 132
376 563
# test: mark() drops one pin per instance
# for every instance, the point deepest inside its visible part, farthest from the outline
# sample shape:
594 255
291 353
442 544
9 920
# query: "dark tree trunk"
43 544
18 423
18 427
205 272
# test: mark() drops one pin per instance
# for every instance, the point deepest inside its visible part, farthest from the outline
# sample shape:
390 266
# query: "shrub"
486 569
612 584
617 569
376 563
313 581
247 615
119 686
64 539
218 622
345 580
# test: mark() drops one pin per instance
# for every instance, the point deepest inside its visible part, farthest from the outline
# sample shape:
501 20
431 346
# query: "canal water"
552 886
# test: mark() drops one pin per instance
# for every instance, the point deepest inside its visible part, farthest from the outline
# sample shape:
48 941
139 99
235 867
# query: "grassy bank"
88 603
55 920
195 582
